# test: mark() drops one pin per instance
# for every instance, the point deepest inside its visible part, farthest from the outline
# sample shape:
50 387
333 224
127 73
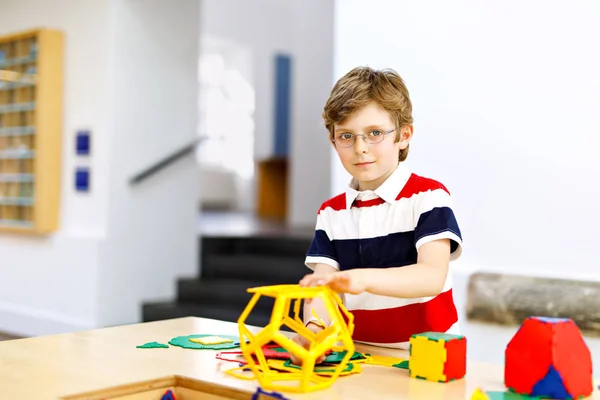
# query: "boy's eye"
375 133
345 136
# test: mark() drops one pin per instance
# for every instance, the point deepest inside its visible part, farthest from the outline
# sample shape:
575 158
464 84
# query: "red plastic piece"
455 366
544 343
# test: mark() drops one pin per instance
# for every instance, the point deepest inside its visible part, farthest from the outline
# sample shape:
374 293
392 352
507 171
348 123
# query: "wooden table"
105 364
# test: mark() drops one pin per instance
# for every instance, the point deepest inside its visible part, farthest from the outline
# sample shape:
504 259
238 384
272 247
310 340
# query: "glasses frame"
383 136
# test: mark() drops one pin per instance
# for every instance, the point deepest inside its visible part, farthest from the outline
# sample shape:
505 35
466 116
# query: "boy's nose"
360 146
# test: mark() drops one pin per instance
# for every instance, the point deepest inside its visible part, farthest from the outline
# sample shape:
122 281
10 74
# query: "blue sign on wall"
282 109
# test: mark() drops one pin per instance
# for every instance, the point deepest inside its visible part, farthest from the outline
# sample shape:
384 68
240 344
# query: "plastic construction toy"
548 357
169 395
262 395
306 379
438 357
497 395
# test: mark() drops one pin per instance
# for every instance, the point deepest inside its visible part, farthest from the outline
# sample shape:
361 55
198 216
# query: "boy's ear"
406 134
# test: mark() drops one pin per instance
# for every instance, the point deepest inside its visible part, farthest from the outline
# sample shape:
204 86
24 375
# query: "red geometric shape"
456 363
572 359
528 356
544 343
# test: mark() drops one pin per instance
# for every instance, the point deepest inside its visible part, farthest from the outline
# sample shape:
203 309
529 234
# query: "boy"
384 244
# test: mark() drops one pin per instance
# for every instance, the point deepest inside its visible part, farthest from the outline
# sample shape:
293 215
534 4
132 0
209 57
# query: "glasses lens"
374 137
345 140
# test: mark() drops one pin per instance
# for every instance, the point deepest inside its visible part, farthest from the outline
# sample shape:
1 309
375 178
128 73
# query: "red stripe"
337 203
395 325
368 203
417 184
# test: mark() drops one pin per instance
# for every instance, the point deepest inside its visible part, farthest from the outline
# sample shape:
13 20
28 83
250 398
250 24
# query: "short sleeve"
436 220
321 250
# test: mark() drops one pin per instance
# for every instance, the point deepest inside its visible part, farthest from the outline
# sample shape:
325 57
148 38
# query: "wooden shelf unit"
31 106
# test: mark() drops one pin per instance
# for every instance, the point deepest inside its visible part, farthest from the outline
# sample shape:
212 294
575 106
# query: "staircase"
229 266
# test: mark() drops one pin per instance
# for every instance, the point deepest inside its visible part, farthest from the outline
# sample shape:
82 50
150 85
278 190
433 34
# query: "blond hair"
362 85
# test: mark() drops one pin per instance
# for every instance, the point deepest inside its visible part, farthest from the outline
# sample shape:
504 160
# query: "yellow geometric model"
336 337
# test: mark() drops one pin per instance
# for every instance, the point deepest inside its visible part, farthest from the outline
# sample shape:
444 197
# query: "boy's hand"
302 341
342 282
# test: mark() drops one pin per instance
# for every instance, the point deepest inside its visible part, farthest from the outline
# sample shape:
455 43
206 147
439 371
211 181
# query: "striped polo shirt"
384 228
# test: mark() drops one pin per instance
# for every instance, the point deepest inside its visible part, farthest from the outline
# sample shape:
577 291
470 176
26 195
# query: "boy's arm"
317 304
426 278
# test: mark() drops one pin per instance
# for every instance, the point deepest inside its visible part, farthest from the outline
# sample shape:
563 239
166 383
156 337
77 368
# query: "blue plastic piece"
82 143
551 386
552 320
82 180
261 394
168 396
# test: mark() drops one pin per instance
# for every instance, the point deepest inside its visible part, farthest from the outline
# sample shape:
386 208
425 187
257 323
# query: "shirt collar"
388 190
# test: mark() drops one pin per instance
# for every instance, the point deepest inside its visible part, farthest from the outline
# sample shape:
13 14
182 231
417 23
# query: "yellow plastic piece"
336 337
386 361
208 340
478 394
427 359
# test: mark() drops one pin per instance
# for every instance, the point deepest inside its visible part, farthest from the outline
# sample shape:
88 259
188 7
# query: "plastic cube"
438 357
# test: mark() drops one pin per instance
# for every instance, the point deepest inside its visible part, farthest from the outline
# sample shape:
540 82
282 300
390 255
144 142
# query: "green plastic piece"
184 342
349 367
509 396
336 357
436 336
402 365
153 345
279 349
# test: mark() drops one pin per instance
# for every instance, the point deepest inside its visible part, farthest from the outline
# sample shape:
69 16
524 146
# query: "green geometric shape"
321 369
153 345
184 342
495 395
436 336
279 349
336 357
403 364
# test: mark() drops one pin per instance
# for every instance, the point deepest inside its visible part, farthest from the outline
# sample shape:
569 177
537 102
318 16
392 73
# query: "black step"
268 269
169 310
294 247
221 291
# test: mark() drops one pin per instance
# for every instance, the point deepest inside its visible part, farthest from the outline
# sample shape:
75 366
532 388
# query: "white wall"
302 29
48 284
152 235
505 103
505 99
310 170
130 76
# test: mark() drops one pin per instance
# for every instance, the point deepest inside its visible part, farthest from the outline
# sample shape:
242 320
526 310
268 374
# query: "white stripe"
312 261
380 220
369 301
442 235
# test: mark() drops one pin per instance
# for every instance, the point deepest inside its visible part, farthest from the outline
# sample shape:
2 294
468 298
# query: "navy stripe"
439 219
393 250
321 246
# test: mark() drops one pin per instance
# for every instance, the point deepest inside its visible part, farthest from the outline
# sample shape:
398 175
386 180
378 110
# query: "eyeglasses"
371 137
